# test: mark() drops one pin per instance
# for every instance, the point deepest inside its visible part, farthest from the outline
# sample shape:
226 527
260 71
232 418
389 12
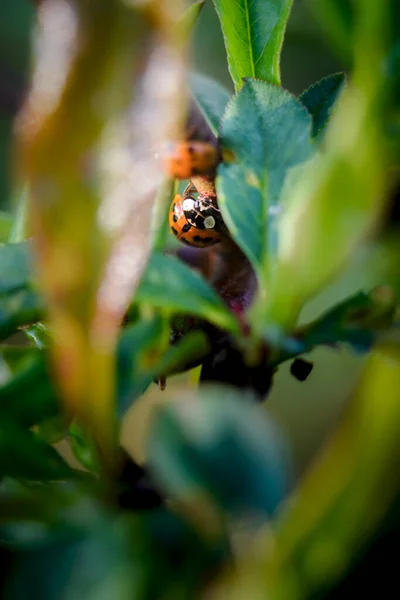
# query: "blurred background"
308 410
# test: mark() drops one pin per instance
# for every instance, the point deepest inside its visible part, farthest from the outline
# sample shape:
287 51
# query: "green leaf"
186 23
15 267
320 98
6 223
341 193
101 560
268 130
29 397
222 444
171 285
19 303
23 455
138 352
358 320
83 448
19 308
211 97
253 32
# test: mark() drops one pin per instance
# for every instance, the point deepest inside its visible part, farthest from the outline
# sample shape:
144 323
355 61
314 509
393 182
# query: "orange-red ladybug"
184 160
195 220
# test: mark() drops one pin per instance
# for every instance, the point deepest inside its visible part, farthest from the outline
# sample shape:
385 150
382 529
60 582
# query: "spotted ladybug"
183 160
195 220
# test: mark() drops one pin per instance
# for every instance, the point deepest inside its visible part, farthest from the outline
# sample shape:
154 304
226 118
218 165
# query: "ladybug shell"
193 227
184 160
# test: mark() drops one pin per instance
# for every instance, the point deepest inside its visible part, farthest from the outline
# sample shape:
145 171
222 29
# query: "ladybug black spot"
301 369
174 218
186 228
197 238
174 231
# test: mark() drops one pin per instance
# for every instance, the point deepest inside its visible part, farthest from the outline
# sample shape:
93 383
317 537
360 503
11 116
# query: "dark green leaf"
19 302
319 100
211 98
25 456
268 130
18 308
223 444
253 32
171 285
101 561
357 321
139 349
29 397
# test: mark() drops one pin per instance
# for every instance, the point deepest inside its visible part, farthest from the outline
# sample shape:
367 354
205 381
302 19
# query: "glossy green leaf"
320 98
268 130
221 443
211 97
171 285
253 32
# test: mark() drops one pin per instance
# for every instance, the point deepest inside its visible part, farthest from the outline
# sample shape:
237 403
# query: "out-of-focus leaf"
19 308
357 321
160 217
19 302
186 23
39 334
320 98
211 97
105 560
222 444
337 20
113 94
52 429
139 350
340 503
268 130
15 267
253 33
23 455
6 222
29 397
341 193
83 448
19 231
171 285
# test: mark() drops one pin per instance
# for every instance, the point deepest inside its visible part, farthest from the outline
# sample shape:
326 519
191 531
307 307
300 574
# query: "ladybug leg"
189 189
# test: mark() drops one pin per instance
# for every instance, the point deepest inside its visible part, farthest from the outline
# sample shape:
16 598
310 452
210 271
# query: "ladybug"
195 219
183 160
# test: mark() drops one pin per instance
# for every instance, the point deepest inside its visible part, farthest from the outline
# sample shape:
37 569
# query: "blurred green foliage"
222 507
